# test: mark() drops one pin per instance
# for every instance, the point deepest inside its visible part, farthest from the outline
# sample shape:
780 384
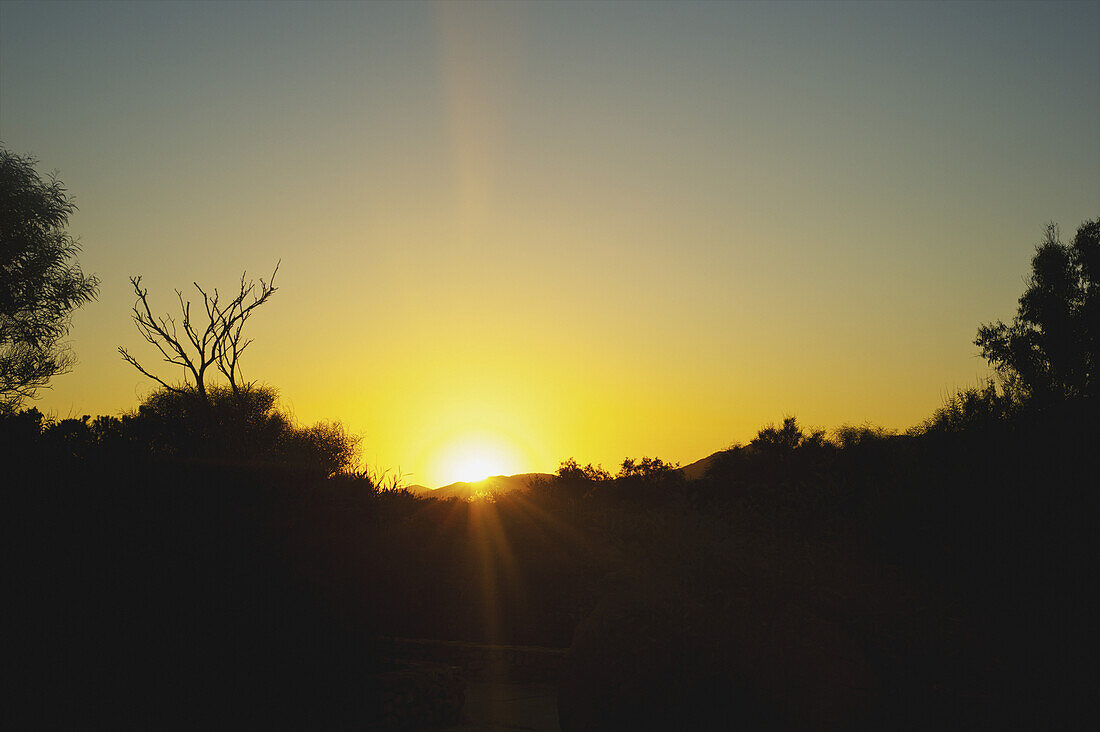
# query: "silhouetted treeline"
223 426
179 568
972 535
182 561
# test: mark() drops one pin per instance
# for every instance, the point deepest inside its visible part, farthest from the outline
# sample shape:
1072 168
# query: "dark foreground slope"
166 595
880 581
172 593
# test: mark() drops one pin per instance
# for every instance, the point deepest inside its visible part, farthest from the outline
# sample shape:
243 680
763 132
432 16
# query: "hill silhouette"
493 485
500 484
699 468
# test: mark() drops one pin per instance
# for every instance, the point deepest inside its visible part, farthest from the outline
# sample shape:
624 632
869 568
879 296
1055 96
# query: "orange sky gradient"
514 234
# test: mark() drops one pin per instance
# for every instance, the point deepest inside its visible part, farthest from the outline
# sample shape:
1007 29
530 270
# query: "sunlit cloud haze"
560 229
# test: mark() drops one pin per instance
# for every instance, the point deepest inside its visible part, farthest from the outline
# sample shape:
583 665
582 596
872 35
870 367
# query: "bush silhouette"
241 426
788 436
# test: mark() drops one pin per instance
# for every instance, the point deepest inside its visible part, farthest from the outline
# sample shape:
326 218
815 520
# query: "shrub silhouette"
976 407
571 484
241 426
789 436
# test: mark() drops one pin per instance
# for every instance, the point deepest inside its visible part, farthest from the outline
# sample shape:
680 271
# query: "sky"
512 234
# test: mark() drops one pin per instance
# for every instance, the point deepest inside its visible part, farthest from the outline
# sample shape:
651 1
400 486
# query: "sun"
472 468
476 458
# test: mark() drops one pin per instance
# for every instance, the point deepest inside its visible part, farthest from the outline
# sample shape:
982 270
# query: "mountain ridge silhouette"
499 484
494 484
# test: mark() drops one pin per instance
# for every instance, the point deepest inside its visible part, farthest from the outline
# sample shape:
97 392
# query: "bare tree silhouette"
217 341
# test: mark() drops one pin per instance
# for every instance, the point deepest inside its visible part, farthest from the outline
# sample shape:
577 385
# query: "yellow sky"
512 234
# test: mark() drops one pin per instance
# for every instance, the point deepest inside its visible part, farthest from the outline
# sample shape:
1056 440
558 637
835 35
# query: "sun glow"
473 468
475 459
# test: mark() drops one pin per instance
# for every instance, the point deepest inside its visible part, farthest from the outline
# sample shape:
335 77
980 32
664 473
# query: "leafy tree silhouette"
573 481
1049 351
646 468
40 285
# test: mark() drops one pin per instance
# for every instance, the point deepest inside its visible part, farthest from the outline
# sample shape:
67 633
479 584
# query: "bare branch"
160 331
191 335
218 343
134 362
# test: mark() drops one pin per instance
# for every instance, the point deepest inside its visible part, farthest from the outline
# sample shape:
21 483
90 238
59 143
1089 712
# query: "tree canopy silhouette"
40 284
245 426
1050 348
215 341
